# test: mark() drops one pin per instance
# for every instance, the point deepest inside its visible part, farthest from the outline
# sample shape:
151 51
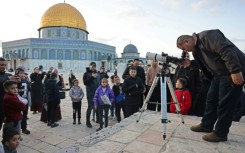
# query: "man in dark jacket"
3 77
223 63
91 80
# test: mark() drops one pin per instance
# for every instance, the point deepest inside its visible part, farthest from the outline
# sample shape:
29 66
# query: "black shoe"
98 129
54 125
79 121
89 124
49 123
26 131
74 122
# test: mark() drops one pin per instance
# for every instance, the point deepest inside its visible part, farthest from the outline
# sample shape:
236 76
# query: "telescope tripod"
164 81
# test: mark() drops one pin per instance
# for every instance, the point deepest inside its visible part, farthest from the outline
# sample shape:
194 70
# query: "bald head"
185 43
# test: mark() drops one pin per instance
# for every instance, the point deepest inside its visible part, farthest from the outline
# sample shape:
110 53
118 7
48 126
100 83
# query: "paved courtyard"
125 137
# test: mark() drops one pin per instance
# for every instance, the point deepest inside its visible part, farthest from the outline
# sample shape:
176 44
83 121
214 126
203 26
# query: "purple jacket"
99 92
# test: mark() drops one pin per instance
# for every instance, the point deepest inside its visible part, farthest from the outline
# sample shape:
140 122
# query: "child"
183 96
133 88
11 140
119 98
12 106
23 89
52 90
76 94
102 105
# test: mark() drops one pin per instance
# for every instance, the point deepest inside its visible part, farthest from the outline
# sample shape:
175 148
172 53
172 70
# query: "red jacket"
12 108
184 99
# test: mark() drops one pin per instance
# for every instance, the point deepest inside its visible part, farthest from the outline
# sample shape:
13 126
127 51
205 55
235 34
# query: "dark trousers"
130 109
76 109
112 109
221 101
51 111
118 107
89 109
103 110
1 115
24 119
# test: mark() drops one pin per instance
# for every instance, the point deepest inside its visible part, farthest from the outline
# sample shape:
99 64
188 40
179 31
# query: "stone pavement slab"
124 137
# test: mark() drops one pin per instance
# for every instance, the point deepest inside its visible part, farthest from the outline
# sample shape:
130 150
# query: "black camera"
163 58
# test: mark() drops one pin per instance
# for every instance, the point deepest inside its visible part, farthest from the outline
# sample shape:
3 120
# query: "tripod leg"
164 118
143 108
171 88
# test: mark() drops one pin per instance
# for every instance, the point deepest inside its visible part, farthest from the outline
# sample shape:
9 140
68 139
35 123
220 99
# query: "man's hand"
237 78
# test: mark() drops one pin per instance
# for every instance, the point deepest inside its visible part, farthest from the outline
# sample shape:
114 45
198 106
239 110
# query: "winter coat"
140 73
216 55
52 91
133 88
76 93
91 83
184 99
99 92
12 107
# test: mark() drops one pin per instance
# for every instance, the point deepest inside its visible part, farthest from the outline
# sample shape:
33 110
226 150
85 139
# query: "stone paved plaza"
125 137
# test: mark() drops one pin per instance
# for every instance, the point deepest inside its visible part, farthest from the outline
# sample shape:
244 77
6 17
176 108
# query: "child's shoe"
74 121
79 121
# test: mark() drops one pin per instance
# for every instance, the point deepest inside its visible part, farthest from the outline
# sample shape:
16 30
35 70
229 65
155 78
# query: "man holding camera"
224 64
91 80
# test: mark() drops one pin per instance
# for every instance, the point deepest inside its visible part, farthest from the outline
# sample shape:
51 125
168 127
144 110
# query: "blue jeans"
221 101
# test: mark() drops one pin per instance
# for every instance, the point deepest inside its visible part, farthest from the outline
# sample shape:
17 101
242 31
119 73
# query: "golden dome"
63 14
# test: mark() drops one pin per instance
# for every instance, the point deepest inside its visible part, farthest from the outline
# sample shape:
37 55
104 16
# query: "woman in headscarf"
36 91
152 71
71 78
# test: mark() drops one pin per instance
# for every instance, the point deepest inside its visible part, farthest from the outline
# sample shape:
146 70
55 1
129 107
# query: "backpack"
120 98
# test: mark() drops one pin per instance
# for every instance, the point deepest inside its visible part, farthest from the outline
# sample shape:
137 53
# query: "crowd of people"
209 86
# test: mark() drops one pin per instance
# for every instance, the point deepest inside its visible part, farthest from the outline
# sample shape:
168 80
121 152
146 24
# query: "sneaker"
89 125
212 137
54 125
98 129
26 131
200 128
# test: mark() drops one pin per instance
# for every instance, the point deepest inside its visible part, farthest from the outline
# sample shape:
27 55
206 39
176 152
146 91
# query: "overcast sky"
151 25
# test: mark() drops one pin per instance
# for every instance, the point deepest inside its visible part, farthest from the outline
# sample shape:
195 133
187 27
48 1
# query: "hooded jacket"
99 92
76 93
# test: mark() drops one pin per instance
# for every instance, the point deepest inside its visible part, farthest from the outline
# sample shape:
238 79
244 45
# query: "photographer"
224 64
91 80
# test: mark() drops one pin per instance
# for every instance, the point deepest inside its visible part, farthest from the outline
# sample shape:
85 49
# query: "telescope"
163 58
